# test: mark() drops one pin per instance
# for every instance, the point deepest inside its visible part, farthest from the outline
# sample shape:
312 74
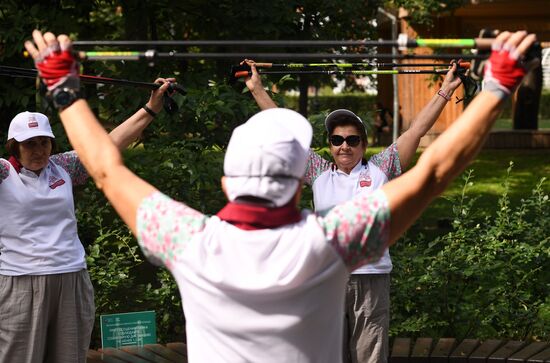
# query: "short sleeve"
388 161
316 166
72 165
165 226
4 169
359 228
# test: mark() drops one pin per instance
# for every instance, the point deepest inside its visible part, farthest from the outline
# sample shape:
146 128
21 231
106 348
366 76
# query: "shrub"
486 278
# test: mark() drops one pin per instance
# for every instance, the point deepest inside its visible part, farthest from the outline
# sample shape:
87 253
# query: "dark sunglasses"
352 140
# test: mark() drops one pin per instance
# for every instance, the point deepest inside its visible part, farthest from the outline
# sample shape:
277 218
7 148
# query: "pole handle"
263 65
483 43
241 74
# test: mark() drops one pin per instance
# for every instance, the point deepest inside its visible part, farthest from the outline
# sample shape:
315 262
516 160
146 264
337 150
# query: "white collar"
356 169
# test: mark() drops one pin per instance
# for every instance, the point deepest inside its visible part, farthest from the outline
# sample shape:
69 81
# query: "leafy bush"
180 157
360 103
488 277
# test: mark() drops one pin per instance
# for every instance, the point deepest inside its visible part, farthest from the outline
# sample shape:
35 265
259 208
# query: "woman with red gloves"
239 319
47 307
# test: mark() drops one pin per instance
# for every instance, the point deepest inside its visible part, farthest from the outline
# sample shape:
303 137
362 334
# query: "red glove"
56 67
503 72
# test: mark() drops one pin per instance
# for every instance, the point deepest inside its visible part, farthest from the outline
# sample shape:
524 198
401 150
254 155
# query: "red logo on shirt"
54 182
365 182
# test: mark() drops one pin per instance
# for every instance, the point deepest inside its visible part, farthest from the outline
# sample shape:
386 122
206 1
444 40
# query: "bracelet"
444 95
149 111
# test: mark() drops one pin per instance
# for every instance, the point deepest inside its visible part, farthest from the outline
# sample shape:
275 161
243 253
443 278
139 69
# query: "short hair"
12 146
345 120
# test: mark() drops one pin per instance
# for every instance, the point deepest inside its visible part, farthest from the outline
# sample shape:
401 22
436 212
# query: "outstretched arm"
95 148
104 163
409 141
130 130
449 155
254 84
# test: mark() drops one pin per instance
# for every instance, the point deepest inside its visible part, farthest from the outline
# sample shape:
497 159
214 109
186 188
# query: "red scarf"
15 163
253 217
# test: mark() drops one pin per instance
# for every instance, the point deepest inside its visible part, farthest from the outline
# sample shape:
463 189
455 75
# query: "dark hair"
12 146
250 199
345 120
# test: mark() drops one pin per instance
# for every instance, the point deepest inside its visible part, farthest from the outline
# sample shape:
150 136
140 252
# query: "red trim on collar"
15 163
252 217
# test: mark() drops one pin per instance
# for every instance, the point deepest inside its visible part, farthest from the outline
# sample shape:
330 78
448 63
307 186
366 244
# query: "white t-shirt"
38 232
269 295
332 186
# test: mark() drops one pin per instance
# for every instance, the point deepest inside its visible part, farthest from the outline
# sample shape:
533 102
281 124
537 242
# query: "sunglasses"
352 140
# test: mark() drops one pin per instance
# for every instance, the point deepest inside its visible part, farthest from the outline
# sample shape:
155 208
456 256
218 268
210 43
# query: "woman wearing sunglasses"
367 311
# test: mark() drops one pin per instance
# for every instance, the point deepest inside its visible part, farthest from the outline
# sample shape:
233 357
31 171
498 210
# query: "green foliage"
182 156
487 277
360 103
424 11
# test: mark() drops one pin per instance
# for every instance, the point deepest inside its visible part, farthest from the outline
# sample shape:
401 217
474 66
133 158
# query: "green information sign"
118 330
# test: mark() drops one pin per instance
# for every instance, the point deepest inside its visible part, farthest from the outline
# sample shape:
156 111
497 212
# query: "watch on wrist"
64 97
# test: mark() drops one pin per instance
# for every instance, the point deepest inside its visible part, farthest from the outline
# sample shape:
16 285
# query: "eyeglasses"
352 140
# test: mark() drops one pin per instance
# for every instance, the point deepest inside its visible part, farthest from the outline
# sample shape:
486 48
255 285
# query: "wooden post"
527 98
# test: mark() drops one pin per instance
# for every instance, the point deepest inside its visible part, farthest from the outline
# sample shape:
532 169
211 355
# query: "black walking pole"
169 104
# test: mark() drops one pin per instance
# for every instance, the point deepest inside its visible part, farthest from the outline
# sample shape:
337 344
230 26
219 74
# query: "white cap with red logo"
29 124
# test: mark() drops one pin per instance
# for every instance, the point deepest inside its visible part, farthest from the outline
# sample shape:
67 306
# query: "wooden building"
466 22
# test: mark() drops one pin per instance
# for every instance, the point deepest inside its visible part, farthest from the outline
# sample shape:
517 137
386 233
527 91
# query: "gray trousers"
46 318
367 319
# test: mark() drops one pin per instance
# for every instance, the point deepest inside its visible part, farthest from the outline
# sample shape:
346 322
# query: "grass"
489 173
506 124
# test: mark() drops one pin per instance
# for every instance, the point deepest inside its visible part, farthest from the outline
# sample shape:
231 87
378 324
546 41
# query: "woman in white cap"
47 307
262 282
367 310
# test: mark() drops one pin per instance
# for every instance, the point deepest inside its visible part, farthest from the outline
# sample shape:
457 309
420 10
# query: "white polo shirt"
332 186
38 232
270 295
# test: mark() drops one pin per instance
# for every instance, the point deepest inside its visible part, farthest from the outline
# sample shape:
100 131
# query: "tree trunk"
302 101
526 107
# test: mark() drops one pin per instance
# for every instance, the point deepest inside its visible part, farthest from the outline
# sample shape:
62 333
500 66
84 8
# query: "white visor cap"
266 156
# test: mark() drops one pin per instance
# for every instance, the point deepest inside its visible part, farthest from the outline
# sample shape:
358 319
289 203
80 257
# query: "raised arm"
449 155
254 84
130 130
96 151
424 120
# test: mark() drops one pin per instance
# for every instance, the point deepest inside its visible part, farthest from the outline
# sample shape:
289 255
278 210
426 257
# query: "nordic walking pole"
353 65
241 74
32 73
403 42
151 55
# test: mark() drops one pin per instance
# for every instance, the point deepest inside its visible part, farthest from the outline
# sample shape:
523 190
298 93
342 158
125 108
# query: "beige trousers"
46 318
367 319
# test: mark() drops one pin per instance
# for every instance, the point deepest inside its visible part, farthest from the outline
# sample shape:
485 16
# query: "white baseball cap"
336 115
267 155
29 124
